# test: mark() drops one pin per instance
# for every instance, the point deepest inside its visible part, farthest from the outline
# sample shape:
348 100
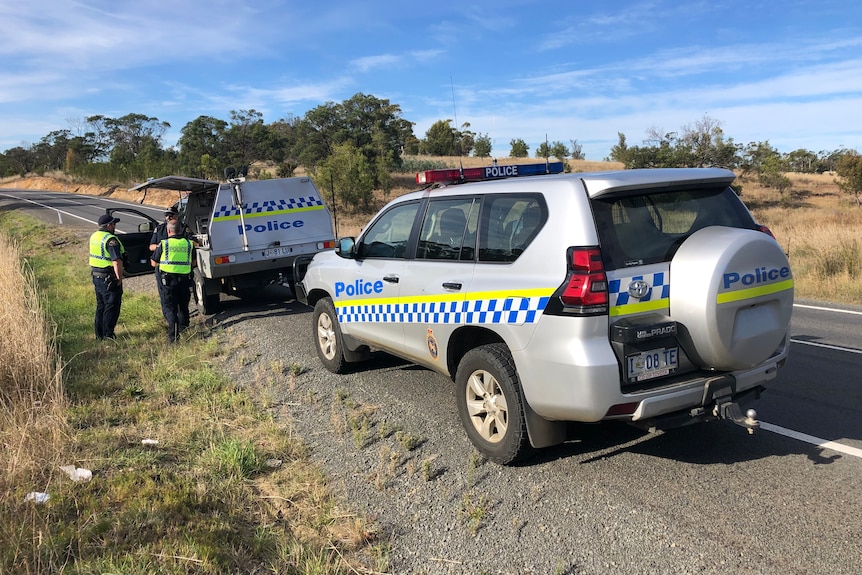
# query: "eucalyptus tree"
203 148
133 135
441 139
373 126
849 170
482 146
518 148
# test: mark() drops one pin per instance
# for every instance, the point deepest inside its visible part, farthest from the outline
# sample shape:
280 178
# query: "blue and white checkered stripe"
510 310
269 207
618 289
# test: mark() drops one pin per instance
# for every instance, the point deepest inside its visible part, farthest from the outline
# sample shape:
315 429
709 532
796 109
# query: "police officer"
161 233
106 263
173 258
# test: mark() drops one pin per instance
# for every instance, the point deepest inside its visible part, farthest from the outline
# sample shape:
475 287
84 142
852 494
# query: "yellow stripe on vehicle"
251 215
751 293
445 297
518 307
639 307
377 301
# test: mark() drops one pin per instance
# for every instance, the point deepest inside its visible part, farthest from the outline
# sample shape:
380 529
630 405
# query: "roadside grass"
189 474
820 229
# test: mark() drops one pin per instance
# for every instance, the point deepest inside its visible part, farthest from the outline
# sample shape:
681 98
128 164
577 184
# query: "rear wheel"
207 304
327 337
490 403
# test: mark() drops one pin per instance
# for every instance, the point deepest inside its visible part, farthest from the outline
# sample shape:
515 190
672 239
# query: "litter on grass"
37 497
77 473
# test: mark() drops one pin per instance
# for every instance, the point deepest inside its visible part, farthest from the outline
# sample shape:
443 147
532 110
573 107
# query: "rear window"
638 229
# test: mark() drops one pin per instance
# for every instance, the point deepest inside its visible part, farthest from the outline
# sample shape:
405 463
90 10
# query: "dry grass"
32 403
34 433
820 229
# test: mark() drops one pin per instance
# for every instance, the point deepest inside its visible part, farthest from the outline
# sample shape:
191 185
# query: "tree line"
356 145
703 143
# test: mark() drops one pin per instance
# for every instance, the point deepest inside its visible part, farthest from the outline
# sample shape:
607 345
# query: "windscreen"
644 228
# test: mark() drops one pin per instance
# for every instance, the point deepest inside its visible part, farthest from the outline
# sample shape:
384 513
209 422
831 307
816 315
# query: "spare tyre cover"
732 291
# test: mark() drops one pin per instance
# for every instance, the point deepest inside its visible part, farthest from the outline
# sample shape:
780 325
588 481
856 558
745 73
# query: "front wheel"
327 337
490 403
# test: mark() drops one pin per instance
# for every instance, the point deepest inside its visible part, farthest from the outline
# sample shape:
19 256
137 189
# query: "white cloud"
368 63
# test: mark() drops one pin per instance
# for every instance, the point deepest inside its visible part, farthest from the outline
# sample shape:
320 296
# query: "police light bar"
451 176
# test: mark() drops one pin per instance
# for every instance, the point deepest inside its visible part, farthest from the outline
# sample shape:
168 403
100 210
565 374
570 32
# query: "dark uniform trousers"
109 297
160 286
175 296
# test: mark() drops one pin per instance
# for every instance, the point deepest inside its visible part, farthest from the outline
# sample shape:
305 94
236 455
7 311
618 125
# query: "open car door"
136 241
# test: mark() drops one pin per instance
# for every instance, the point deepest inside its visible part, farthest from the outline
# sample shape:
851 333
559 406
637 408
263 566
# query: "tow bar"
731 410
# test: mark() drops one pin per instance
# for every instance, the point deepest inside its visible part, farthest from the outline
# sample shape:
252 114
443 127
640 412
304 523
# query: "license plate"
276 252
653 363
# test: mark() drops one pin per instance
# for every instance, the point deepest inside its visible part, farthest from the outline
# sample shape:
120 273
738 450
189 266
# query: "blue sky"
789 72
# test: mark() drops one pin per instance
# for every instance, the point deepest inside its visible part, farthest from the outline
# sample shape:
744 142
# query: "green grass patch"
219 487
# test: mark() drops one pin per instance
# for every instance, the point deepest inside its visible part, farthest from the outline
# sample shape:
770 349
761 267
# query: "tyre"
732 294
327 337
208 304
491 405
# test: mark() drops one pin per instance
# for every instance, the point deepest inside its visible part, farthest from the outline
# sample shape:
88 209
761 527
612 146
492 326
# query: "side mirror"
345 247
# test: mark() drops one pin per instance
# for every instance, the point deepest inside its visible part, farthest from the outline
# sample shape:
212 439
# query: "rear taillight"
586 287
765 230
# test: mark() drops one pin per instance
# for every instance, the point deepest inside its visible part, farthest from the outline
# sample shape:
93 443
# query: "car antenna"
455 112
334 213
547 153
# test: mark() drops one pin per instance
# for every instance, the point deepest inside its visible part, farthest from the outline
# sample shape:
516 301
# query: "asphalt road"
76 210
704 499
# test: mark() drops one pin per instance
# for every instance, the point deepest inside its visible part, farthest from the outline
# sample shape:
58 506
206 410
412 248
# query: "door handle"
391 279
455 286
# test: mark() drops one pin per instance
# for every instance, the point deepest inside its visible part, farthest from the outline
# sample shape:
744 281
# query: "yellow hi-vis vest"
99 256
176 256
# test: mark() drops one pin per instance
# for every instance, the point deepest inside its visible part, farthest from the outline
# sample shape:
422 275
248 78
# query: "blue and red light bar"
451 176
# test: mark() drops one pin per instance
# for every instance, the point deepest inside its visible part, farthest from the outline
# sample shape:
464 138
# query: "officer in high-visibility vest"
161 233
106 263
174 258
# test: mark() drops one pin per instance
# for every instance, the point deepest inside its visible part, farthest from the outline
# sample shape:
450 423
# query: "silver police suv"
649 296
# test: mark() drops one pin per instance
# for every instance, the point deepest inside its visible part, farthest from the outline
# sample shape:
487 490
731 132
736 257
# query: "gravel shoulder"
611 500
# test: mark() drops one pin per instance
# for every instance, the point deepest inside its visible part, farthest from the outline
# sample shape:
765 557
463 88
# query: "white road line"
77 203
819 308
824 443
58 210
48 207
833 347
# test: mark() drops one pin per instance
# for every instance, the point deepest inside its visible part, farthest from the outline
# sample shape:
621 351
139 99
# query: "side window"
387 237
509 225
449 230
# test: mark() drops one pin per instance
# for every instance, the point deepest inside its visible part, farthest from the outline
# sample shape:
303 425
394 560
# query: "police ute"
646 296
248 234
